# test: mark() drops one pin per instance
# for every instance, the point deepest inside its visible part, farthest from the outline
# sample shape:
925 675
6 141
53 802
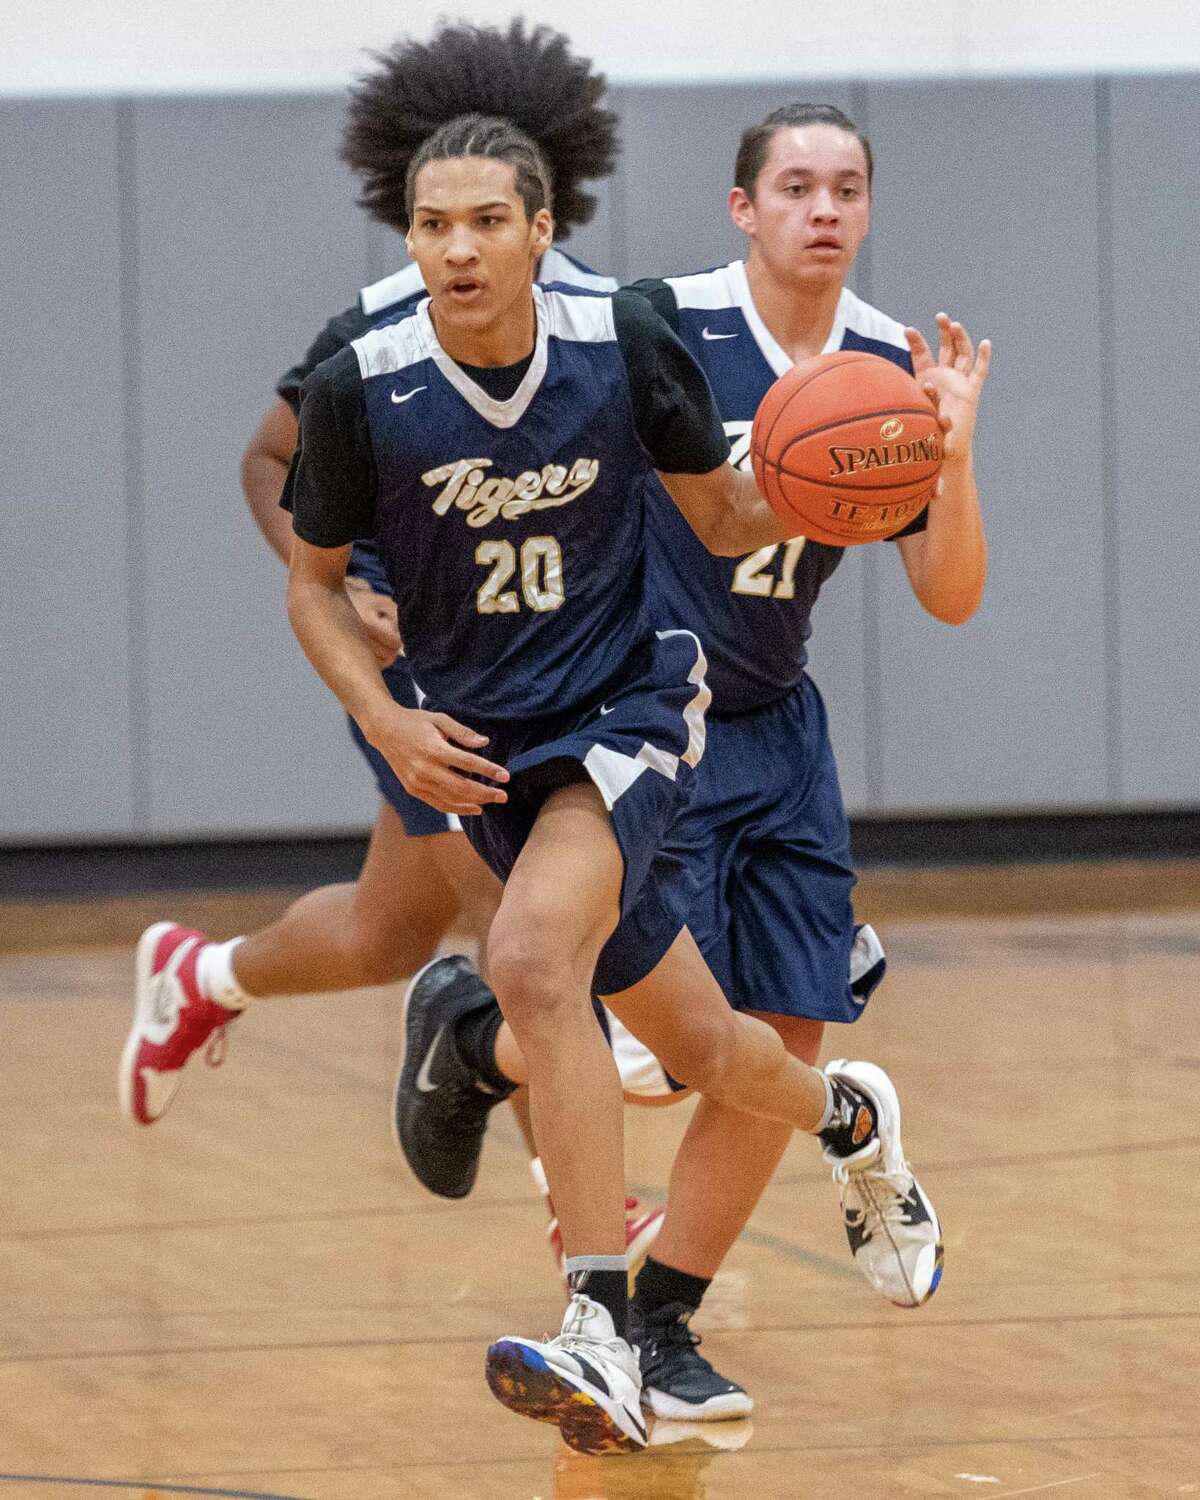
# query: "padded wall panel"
986 205
68 763
1155 334
248 239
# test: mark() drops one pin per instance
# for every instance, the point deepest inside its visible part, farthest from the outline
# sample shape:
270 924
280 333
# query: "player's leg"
561 903
188 988
374 930
723 1166
796 960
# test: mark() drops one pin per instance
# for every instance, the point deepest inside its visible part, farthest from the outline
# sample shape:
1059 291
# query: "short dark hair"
528 78
496 140
756 142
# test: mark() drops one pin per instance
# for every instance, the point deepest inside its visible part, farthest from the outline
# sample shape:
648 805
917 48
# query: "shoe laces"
885 1192
574 1336
669 1328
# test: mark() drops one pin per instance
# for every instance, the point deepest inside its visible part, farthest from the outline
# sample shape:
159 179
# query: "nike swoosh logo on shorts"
400 400
423 1082
704 334
604 709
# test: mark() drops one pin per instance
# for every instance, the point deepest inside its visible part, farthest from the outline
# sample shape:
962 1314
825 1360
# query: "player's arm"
330 490
265 465
946 563
726 511
680 427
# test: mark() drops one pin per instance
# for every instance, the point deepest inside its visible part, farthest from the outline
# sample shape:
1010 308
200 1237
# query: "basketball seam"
834 364
850 489
863 416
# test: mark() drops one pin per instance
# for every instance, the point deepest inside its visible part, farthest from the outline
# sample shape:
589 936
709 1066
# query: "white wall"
122 46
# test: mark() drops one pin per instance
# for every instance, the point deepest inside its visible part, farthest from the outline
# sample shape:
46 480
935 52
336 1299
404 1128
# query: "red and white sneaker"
171 1020
641 1229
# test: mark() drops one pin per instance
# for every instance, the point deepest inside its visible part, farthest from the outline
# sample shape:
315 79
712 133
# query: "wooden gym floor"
254 1298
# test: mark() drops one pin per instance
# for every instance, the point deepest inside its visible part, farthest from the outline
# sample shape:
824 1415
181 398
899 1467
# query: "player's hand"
432 754
378 615
953 382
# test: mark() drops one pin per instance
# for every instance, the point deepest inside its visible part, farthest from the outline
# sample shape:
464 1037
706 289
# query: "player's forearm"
331 635
263 475
948 566
726 511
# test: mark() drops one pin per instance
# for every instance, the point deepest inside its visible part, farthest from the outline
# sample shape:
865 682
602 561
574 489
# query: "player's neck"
506 341
799 319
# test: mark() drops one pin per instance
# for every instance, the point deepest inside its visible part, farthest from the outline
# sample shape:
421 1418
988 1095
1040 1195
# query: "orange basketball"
846 448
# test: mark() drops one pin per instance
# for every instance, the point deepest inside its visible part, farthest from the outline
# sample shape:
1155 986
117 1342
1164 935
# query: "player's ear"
543 231
741 209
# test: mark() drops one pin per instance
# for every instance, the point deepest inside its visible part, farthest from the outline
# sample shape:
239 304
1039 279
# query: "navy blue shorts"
767 846
639 746
418 817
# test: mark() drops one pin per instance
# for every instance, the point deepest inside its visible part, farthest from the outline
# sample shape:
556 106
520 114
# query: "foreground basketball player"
765 833
420 873
498 443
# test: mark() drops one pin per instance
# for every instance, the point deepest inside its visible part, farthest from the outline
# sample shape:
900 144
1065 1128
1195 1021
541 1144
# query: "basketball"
847 448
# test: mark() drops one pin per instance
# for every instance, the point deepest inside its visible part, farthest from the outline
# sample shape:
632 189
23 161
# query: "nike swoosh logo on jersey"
423 1080
408 395
705 333
604 709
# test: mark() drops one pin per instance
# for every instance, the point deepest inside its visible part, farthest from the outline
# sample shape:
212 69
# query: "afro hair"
529 77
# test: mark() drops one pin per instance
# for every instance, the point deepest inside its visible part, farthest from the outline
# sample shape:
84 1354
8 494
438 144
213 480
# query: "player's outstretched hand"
429 753
954 381
378 615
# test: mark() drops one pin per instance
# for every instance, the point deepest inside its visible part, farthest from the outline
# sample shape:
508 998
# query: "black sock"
609 1288
658 1286
475 1038
853 1121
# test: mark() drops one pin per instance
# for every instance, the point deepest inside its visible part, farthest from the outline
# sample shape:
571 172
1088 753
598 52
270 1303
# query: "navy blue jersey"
511 531
752 613
380 302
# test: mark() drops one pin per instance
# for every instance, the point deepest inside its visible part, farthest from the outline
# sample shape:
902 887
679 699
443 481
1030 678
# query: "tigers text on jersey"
383 300
752 613
511 531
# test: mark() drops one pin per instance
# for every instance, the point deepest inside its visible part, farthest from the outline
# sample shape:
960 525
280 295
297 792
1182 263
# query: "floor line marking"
1056 1484
143 1486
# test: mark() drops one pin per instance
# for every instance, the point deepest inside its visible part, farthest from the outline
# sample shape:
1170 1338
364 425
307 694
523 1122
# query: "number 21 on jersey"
751 576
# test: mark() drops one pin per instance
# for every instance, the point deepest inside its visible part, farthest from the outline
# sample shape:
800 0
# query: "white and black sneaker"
585 1381
678 1383
891 1225
441 1106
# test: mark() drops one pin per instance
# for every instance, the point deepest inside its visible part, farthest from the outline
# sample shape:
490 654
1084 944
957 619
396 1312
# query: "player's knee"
703 1056
531 980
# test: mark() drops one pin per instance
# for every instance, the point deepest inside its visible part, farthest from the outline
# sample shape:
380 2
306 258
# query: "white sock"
215 976
827 1114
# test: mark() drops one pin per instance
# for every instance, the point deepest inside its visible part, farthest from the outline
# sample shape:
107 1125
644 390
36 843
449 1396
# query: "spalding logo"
892 428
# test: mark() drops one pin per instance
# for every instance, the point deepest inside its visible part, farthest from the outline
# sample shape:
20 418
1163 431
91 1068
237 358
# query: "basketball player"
499 443
765 833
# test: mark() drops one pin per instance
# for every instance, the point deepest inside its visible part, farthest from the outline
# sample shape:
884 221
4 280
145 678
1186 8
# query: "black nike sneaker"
441 1106
678 1383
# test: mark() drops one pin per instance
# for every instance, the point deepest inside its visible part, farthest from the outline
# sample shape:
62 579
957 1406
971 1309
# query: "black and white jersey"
752 613
386 299
510 519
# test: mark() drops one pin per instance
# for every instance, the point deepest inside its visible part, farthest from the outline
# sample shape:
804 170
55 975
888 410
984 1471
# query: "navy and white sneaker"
894 1234
586 1381
678 1383
440 1108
